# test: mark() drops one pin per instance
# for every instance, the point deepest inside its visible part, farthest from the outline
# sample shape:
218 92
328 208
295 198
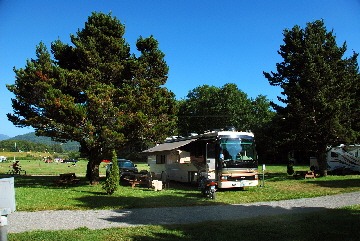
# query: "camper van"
226 157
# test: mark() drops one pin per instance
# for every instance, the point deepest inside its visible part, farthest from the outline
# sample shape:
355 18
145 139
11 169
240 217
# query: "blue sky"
205 42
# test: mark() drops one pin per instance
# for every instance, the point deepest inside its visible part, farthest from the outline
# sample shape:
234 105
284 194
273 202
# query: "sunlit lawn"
39 192
37 167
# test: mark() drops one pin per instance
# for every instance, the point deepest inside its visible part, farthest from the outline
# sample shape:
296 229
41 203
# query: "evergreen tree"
320 88
96 92
111 184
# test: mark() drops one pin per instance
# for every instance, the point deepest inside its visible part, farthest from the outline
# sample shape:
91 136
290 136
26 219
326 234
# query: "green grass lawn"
36 191
37 167
337 224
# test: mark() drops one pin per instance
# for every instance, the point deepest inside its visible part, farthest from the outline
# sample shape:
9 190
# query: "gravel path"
100 219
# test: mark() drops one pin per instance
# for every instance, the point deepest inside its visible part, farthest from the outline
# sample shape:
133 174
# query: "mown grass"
39 193
37 167
337 224
35 193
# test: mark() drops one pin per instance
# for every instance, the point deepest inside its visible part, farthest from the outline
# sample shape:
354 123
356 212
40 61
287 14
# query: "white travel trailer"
225 157
340 157
344 156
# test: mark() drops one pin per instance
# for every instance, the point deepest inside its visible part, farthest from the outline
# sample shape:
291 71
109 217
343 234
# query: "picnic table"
304 174
67 178
142 178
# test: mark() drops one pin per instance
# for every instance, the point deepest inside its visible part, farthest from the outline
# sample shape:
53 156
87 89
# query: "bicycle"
16 172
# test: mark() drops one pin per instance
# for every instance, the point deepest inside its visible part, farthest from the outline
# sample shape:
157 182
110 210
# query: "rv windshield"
236 152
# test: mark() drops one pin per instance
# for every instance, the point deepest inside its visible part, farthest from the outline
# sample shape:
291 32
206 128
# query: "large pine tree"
321 90
95 91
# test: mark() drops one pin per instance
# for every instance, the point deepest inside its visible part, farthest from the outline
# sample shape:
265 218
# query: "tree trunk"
290 164
92 172
322 162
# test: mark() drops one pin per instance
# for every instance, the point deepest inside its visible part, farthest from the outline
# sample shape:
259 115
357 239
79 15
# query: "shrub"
112 181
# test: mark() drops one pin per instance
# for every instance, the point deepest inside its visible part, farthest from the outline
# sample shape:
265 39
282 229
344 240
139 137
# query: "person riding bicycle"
16 166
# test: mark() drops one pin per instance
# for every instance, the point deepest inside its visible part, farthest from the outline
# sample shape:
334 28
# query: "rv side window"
160 159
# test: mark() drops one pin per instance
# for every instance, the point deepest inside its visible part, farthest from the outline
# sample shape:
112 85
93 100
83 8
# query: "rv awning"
165 148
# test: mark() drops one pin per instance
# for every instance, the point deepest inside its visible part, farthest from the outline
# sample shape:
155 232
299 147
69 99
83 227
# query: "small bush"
112 181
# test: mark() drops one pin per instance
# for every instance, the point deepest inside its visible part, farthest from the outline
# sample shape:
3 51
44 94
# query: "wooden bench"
304 174
67 178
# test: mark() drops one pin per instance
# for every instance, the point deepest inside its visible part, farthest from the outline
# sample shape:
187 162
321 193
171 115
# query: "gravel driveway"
100 219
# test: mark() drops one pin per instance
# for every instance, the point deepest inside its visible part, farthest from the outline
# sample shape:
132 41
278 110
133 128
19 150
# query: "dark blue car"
70 160
125 167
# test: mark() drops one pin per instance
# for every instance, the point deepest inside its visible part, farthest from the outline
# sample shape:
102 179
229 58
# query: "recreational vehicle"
341 157
225 157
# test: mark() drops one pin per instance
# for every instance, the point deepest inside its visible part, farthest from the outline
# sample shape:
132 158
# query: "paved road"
100 219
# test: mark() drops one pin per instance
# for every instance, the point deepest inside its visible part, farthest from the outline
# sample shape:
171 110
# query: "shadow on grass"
321 225
344 183
177 194
48 182
182 186
274 177
157 200
43 182
327 224
94 197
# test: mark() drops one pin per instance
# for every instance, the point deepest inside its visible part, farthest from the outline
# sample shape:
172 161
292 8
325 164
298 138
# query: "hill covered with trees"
70 146
4 137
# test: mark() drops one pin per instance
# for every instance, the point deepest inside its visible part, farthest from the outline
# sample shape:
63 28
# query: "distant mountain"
4 137
69 146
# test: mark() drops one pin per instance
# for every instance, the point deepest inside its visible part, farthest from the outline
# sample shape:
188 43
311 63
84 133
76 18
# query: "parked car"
70 160
126 167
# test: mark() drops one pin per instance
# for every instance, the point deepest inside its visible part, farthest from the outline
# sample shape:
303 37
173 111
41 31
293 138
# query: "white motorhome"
226 157
340 157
